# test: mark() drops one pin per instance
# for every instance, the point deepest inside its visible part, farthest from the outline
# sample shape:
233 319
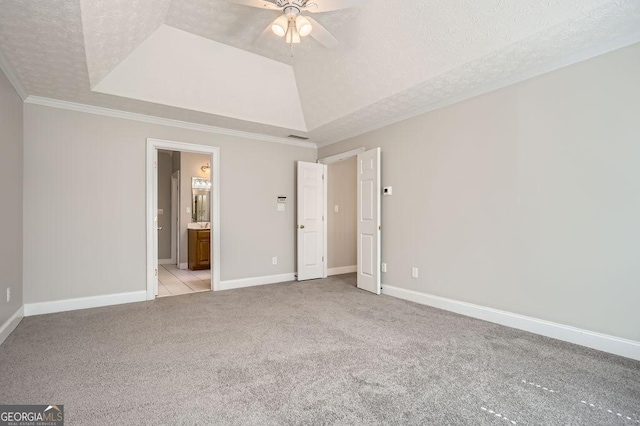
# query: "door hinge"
322 177
156 272
155 164
323 258
379 227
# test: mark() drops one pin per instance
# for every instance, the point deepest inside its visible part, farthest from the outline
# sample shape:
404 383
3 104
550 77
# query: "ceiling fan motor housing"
297 3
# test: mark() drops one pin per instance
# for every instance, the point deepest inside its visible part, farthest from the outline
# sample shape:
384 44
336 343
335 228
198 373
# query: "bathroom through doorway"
183 250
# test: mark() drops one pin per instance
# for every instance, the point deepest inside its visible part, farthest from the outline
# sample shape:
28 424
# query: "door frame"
342 156
175 217
326 161
152 201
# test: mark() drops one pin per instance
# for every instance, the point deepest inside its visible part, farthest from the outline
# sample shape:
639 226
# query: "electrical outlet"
414 272
274 260
383 267
9 294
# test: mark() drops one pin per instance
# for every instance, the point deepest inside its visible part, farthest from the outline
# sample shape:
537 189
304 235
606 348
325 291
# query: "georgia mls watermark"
31 415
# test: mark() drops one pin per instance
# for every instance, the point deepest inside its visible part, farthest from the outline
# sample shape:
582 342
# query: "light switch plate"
281 207
383 267
336 209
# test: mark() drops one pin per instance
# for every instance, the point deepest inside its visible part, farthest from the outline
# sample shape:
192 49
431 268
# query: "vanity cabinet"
199 249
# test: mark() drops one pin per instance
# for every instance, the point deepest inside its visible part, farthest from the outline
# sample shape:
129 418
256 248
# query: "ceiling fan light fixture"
280 26
303 25
292 36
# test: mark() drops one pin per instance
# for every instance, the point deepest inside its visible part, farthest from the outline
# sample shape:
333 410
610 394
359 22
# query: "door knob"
301 226
159 228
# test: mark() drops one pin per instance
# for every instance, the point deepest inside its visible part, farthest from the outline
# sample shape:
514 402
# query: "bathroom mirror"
200 201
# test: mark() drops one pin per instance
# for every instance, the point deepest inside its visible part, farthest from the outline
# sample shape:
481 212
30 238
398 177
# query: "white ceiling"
177 68
397 57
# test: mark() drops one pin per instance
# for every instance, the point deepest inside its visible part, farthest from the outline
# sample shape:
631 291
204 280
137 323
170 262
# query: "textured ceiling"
396 56
114 28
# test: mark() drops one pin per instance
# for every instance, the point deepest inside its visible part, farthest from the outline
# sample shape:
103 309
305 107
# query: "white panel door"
311 227
369 221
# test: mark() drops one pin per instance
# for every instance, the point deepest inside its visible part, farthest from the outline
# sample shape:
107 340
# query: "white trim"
325 220
41 308
166 262
153 145
151 187
342 270
603 342
183 266
90 109
11 324
342 156
11 76
256 281
566 61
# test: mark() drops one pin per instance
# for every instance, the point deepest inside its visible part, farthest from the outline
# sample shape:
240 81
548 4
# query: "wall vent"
302 138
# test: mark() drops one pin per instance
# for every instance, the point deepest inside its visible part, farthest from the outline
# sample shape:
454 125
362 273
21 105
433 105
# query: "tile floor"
173 281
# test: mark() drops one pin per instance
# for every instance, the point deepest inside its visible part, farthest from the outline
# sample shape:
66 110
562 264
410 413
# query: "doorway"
342 194
183 235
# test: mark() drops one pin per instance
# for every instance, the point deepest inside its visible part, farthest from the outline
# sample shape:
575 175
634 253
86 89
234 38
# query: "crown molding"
108 112
8 71
600 49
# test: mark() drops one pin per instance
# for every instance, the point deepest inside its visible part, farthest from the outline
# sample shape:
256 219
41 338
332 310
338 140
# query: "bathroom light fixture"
206 168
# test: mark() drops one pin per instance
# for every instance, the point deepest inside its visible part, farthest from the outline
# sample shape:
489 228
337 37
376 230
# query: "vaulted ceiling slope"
396 58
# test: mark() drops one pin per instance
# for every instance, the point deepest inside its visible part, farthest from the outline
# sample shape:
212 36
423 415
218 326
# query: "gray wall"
342 190
526 199
190 166
164 203
86 247
11 196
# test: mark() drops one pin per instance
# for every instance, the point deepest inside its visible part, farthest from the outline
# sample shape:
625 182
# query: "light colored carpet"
307 353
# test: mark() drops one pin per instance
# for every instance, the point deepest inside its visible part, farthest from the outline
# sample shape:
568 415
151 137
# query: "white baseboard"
166 262
603 342
31 309
250 282
7 328
342 270
183 265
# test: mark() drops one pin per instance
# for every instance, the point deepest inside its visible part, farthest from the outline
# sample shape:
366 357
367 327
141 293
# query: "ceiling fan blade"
320 6
260 4
321 34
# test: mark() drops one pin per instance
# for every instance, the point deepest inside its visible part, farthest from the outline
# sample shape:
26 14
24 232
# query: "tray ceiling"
396 58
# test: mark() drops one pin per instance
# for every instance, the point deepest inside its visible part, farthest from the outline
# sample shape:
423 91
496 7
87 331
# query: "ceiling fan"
292 24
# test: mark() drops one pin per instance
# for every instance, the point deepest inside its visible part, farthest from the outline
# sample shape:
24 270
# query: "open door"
311 225
369 220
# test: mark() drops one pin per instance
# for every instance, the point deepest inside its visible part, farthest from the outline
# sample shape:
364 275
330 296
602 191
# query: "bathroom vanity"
199 249
199 230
